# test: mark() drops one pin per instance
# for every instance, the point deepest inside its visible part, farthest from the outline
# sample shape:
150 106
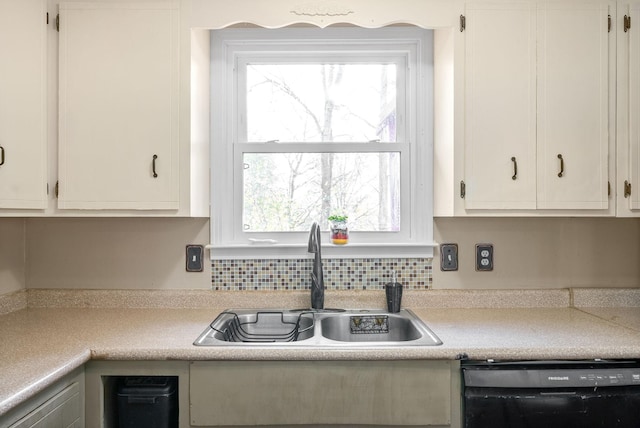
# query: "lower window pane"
285 192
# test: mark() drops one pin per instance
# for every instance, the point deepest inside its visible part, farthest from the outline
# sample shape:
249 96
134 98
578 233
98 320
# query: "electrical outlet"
448 257
194 258
484 257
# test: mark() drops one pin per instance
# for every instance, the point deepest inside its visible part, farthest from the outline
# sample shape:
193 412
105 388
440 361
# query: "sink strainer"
264 326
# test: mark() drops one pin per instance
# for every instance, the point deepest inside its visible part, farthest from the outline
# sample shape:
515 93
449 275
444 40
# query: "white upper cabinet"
628 123
573 100
23 150
119 106
537 79
634 102
500 106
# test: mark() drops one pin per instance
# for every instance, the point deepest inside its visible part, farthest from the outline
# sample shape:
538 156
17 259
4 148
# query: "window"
308 123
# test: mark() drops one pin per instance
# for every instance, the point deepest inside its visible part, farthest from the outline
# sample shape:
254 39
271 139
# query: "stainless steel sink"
317 328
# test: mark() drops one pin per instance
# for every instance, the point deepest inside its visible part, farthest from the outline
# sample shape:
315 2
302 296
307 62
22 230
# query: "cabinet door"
634 105
573 100
23 104
61 410
119 105
500 106
312 393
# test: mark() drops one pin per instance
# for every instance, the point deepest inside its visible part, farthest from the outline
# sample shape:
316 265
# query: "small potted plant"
339 229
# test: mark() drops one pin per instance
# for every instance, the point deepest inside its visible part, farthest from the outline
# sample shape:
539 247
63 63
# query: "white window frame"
230 51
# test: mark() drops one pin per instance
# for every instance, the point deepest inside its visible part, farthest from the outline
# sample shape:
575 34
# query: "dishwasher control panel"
550 377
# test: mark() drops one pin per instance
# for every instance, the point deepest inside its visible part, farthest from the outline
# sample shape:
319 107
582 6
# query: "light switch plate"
484 257
194 258
448 257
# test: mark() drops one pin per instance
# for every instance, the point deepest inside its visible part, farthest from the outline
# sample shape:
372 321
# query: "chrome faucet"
317 278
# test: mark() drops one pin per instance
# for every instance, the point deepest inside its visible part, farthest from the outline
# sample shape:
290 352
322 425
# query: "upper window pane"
316 102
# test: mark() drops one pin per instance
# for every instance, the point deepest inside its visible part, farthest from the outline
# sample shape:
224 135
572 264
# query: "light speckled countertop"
40 345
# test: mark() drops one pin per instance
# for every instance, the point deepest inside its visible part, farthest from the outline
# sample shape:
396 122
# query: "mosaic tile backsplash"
339 274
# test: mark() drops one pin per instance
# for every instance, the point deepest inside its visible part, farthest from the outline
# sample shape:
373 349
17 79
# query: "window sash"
242 60
403 149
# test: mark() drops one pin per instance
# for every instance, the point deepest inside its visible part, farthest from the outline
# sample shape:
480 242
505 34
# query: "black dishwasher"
550 394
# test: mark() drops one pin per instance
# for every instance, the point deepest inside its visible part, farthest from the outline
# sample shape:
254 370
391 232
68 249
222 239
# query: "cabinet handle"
627 23
515 168
155 174
627 189
561 166
1 155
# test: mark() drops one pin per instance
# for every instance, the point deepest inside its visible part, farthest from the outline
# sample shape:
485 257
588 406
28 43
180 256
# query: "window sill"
329 251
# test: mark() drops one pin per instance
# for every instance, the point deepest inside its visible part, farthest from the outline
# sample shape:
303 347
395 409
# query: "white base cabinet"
59 406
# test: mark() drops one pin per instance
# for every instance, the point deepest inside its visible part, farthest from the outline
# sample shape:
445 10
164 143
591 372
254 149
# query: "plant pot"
339 232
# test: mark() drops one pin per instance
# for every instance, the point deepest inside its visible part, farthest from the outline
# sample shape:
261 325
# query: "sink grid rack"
264 327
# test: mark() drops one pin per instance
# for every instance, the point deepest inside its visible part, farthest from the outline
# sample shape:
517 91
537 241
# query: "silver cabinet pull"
1 155
155 174
515 168
561 173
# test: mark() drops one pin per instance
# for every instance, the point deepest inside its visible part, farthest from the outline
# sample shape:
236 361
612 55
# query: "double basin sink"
317 328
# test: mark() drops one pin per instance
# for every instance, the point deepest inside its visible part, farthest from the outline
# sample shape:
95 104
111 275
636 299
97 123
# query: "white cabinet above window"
119 106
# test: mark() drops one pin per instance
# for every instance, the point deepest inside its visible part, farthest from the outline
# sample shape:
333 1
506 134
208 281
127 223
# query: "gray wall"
118 253
543 252
135 253
12 255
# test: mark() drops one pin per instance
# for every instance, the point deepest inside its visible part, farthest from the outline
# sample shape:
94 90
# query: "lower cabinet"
59 406
325 393
147 404
417 393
